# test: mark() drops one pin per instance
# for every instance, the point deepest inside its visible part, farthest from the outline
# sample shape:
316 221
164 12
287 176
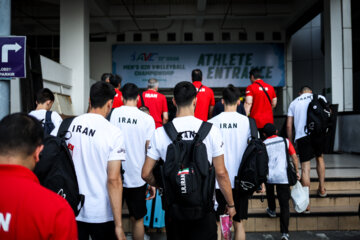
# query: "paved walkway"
306 235
339 165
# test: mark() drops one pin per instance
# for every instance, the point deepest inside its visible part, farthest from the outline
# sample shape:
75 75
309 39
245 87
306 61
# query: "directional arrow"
5 51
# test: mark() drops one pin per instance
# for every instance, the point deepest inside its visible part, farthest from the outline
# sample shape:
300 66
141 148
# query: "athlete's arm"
147 173
211 110
165 117
222 177
274 102
150 189
115 189
296 164
248 104
289 127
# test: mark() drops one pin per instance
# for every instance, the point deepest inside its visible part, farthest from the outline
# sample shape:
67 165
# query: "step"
320 218
333 199
337 183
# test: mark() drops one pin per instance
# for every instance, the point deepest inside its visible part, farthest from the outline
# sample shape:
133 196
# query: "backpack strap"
142 100
109 115
64 127
204 130
199 89
48 116
286 152
253 128
171 131
267 95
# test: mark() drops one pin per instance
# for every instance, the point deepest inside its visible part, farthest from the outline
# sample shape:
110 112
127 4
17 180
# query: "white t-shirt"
160 140
55 118
235 131
298 110
277 160
137 127
94 141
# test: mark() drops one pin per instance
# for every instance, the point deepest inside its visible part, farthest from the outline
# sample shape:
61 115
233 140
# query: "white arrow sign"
5 51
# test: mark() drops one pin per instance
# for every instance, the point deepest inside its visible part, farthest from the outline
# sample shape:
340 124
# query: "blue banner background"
221 64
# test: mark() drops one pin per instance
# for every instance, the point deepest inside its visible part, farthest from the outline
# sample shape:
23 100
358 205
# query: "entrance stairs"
339 210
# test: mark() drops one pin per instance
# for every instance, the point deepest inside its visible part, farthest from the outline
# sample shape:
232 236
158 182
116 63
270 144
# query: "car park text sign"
221 64
12 61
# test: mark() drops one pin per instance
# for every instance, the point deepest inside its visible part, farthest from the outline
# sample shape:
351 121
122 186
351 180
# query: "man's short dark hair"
184 93
256 73
100 93
269 129
305 88
196 75
130 91
20 134
115 81
106 76
231 94
44 95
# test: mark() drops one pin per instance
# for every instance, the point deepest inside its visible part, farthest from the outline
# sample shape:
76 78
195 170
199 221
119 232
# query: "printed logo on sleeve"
121 150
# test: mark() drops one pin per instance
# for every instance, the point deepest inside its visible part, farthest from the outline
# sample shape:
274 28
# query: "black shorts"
241 206
135 200
309 147
204 228
97 231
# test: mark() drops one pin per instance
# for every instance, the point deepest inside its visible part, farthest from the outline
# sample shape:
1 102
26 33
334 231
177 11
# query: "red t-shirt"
31 211
117 99
290 146
157 104
261 109
205 99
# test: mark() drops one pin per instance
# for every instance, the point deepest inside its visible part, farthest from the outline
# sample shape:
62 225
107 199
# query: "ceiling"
116 16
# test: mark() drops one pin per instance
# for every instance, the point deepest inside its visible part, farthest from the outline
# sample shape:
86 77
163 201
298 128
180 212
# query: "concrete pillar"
74 49
288 89
347 53
5 27
338 52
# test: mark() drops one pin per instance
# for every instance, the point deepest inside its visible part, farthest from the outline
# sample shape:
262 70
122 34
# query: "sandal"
322 194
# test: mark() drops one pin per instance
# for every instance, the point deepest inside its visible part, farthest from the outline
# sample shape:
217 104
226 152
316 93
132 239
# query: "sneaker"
146 237
285 236
271 213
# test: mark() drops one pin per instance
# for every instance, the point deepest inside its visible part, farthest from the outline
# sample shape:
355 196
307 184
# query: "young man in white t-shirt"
137 128
235 131
275 147
44 101
97 148
185 101
308 147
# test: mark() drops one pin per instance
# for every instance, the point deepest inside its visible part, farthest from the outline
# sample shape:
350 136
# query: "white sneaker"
285 236
146 237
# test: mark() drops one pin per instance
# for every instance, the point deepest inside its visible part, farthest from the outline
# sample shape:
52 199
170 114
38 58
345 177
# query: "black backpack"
188 177
318 117
56 170
254 169
48 124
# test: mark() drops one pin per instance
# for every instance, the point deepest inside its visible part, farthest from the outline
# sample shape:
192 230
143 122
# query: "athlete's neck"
43 106
130 103
103 111
230 108
185 111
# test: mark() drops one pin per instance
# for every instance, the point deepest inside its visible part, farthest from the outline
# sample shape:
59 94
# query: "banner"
221 64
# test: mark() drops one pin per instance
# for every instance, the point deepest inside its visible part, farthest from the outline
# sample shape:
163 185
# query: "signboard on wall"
13 52
221 64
